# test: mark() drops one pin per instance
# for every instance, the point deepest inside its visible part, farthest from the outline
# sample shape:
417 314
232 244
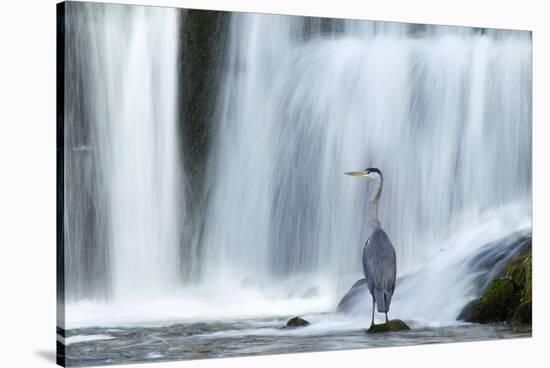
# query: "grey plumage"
379 267
379 260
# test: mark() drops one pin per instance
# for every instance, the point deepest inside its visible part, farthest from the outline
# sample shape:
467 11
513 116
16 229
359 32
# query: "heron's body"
379 268
379 260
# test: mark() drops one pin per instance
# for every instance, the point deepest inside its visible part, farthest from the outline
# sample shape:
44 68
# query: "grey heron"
379 261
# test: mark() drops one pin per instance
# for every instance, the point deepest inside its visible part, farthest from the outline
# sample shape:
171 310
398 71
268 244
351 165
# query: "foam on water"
430 295
83 338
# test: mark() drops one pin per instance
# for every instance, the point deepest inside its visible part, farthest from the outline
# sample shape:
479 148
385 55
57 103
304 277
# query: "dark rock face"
391 326
202 42
203 39
507 298
467 310
297 322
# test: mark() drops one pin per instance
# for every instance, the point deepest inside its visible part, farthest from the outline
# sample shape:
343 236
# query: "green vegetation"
509 297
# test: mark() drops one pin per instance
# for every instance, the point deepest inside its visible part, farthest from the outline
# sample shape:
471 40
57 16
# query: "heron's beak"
358 173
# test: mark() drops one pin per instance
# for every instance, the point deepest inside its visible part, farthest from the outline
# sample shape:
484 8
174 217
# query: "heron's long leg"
386 317
372 321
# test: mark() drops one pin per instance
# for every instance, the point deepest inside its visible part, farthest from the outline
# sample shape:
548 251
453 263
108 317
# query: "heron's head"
369 173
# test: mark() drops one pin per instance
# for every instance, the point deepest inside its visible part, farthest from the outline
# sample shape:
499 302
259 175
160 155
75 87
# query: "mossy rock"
297 322
497 304
523 314
506 299
467 310
392 325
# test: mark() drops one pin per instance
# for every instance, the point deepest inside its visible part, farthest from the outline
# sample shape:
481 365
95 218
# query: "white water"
430 295
81 338
446 116
129 56
142 163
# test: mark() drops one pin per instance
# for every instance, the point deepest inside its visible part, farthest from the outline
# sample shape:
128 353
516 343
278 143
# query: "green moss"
508 298
523 314
528 264
497 303
393 325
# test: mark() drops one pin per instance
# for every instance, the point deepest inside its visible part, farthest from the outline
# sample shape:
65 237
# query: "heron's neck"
373 202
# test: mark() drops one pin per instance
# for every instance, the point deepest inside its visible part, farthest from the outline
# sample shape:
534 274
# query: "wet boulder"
297 322
497 304
507 298
354 300
392 326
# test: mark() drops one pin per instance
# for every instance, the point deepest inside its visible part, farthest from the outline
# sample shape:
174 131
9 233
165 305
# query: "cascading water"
121 193
444 112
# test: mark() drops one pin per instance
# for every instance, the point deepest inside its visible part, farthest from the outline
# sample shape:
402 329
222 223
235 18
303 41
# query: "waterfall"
444 112
122 170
